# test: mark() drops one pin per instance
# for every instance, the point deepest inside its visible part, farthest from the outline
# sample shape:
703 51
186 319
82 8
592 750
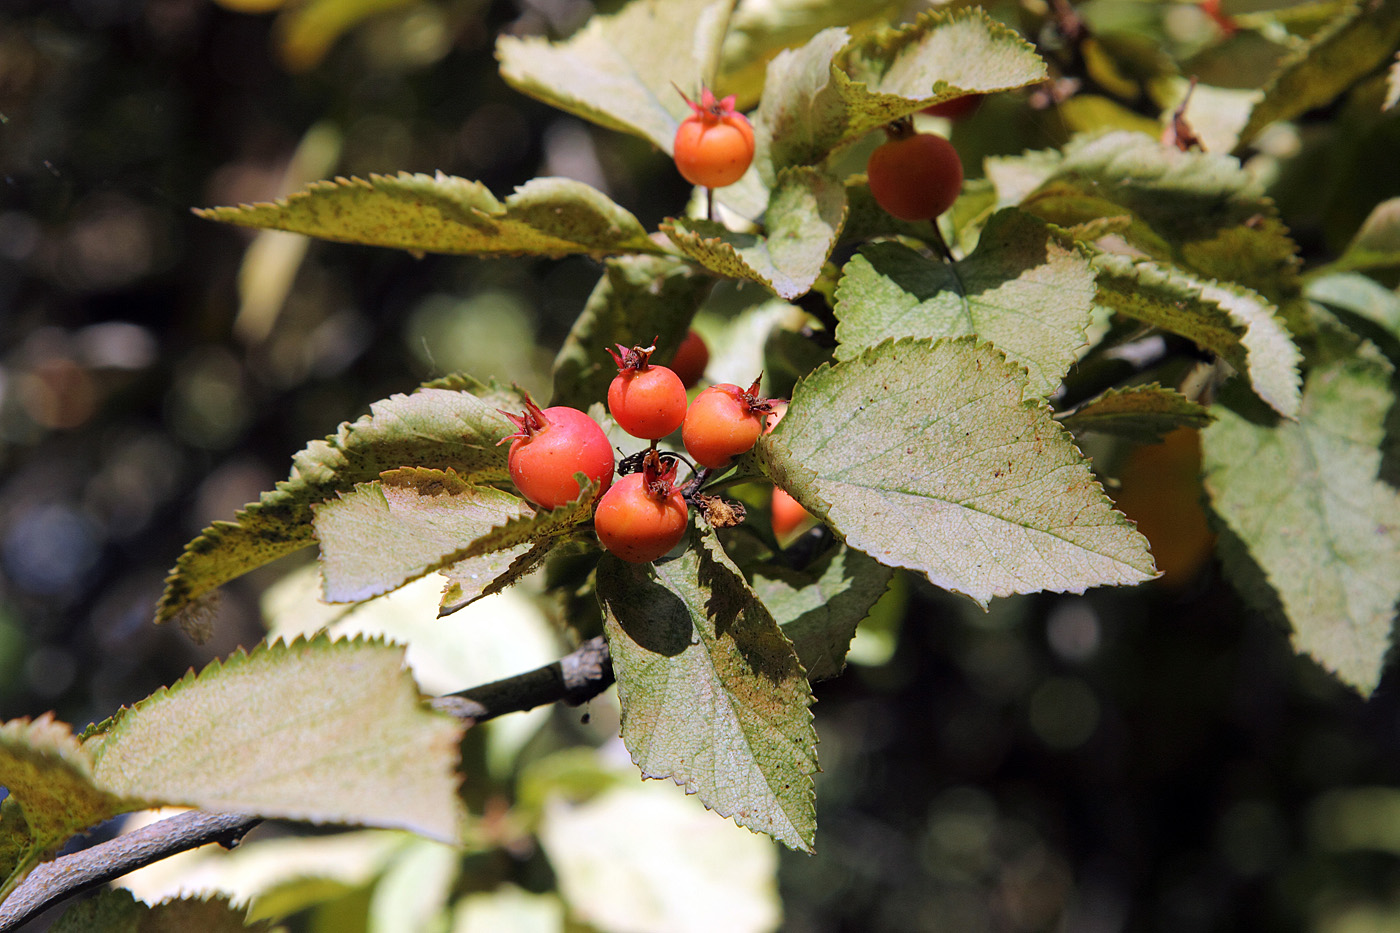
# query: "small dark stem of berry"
939 243
710 204
690 489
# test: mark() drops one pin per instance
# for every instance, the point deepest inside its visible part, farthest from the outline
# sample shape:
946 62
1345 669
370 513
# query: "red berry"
643 516
646 400
723 422
549 446
957 108
691 358
714 145
914 176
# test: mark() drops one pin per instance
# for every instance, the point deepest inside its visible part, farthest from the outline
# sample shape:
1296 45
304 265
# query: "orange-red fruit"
714 145
788 513
550 447
916 176
691 358
640 521
720 424
957 108
648 403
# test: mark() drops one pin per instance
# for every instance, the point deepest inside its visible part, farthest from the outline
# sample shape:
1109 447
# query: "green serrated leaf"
410 522
1375 246
1024 289
621 71
118 911
315 730
712 693
927 456
1359 295
487 574
1144 413
445 214
55 796
805 214
758 32
1231 321
1196 210
431 427
1332 60
820 606
1307 500
639 299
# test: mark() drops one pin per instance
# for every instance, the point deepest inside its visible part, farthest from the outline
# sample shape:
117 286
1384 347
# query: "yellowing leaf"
928 456
454 423
322 731
444 214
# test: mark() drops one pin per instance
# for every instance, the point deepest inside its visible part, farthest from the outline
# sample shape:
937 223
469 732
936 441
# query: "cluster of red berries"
643 515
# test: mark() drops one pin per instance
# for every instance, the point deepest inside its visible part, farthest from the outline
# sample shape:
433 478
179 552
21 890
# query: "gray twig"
573 679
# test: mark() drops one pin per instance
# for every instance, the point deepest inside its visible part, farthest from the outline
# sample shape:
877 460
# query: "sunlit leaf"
1200 211
1231 321
1024 289
456 428
410 522
928 456
805 215
621 71
1359 295
712 694
444 214
1307 500
321 731
1376 245
1332 60
1144 413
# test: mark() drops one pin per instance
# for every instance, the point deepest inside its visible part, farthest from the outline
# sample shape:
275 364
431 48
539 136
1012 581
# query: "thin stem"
574 679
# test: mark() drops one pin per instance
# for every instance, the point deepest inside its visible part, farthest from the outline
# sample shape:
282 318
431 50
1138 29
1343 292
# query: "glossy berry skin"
914 176
722 422
549 447
957 108
691 358
714 145
642 516
646 400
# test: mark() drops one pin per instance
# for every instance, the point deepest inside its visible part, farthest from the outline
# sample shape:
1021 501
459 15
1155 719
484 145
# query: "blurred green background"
1153 759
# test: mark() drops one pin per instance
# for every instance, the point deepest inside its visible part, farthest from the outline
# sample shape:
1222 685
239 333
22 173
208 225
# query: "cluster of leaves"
920 431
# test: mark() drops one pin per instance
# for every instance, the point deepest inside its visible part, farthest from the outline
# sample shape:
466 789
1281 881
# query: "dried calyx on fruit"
646 400
549 446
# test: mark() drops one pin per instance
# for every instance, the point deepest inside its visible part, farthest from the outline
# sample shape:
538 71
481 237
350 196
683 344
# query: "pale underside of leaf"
712 693
1236 324
440 427
808 208
1306 499
445 214
322 731
621 71
954 474
1022 289
410 522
